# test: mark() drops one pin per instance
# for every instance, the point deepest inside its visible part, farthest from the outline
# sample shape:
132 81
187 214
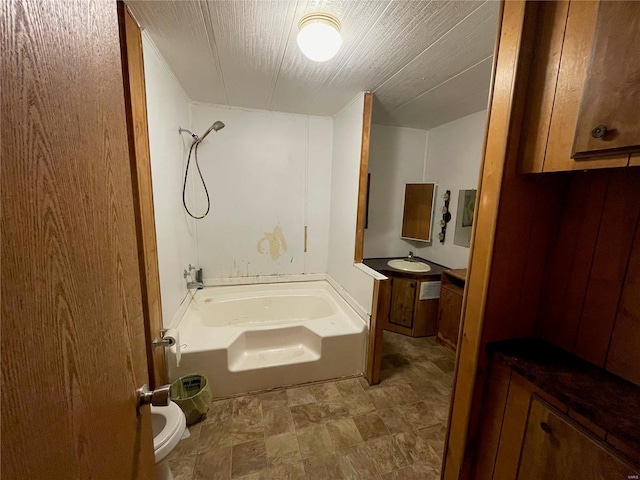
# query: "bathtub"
256 337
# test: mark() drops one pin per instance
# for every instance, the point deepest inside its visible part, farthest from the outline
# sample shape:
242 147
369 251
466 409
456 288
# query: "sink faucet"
197 283
410 257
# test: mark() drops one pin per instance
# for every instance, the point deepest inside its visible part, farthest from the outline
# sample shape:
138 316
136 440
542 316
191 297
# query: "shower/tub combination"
256 337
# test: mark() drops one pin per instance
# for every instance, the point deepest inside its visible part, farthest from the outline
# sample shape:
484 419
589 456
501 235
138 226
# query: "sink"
407 266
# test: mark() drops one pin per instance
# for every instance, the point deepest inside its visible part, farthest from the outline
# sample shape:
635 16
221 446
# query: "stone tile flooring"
335 430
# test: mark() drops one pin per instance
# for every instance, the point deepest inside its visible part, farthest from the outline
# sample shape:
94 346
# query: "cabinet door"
403 293
608 119
450 310
554 448
558 73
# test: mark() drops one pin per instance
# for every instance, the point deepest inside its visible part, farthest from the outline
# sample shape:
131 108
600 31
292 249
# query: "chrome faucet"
411 258
195 280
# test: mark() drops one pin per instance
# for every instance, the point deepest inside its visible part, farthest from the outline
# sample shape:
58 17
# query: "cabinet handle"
546 427
599 132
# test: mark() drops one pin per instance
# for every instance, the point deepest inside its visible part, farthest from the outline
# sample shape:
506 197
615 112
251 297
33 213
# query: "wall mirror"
418 211
464 217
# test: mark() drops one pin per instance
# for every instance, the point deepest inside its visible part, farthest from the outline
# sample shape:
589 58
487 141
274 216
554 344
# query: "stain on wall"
273 242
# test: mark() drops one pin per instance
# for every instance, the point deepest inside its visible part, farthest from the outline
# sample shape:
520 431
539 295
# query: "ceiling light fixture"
319 36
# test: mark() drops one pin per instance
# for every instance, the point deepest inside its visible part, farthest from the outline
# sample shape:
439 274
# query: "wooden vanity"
408 314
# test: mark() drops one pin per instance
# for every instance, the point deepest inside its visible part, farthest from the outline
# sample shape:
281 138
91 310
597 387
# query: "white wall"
396 157
345 172
263 170
454 153
167 108
448 155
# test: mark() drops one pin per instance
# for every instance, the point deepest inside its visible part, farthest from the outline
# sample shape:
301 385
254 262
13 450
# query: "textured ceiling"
428 62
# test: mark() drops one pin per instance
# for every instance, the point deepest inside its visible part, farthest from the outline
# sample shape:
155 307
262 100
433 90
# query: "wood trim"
494 406
136 109
544 75
634 160
382 304
499 145
363 181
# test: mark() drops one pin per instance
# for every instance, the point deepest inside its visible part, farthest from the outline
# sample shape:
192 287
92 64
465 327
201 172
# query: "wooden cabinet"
418 208
584 74
408 314
608 117
554 447
528 434
450 308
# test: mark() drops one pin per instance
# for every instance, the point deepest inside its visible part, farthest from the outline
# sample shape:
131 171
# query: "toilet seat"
166 435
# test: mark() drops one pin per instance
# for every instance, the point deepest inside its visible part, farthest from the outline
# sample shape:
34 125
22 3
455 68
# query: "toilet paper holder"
162 341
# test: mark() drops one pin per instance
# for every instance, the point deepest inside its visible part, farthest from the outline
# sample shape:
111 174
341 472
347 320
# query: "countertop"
380 265
458 273
608 401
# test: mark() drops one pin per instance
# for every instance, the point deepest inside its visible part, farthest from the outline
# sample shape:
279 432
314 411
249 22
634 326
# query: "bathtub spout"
197 285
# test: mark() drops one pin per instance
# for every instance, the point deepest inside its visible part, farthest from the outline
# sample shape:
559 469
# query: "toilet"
169 425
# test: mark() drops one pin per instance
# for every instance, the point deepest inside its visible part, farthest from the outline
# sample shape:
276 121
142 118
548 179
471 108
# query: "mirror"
418 211
464 217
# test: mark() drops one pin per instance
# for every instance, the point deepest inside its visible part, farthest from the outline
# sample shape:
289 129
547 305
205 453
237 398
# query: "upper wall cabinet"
583 92
418 210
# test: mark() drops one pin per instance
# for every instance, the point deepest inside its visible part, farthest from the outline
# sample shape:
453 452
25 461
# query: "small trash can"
193 395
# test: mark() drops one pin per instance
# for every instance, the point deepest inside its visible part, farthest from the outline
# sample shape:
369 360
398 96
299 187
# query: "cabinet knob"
546 427
599 132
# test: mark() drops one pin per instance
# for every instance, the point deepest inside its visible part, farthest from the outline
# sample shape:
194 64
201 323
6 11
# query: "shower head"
216 126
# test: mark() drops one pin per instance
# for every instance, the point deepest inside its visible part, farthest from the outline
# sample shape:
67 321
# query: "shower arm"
183 130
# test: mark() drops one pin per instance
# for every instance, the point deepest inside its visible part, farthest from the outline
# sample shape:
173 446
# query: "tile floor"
335 430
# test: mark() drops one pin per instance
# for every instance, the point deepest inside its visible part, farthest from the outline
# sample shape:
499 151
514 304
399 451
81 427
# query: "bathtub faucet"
195 281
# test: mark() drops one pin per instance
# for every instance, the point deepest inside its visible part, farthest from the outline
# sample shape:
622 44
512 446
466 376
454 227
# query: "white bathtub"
255 337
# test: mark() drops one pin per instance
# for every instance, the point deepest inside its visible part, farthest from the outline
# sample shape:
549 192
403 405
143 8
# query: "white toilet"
169 425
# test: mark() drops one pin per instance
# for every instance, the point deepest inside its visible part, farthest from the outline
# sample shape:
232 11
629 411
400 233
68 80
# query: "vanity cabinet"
408 314
583 87
450 307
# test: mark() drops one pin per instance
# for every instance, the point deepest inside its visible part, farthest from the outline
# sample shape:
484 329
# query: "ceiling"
428 62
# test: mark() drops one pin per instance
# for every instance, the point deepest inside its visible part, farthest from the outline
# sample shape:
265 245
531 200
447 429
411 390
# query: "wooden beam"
364 171
508 86
381 305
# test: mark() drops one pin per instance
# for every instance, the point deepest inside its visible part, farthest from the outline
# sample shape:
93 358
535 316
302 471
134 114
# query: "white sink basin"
408 266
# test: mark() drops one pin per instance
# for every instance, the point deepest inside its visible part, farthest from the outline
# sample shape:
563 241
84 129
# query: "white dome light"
319 36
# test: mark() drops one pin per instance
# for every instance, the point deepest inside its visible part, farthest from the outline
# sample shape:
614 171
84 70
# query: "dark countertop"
380 265
601 397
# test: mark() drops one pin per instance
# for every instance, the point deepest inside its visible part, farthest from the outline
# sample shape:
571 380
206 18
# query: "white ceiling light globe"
319 36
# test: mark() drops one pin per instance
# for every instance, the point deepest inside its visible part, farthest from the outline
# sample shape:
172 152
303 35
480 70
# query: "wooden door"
554 448
73 349
403 294
608 119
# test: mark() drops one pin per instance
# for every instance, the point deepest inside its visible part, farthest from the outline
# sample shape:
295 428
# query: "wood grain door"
554 448
403 294
73 350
